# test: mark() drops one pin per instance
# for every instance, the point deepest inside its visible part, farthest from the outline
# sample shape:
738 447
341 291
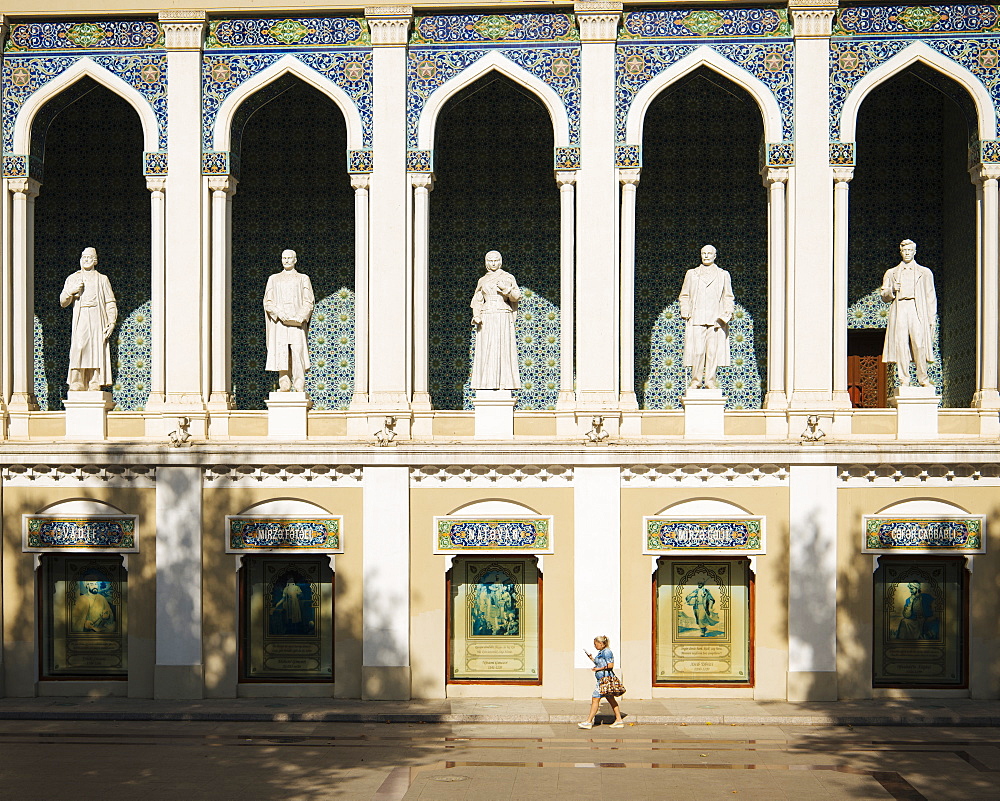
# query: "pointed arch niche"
911 181
289 140
493 190
700 185
94 194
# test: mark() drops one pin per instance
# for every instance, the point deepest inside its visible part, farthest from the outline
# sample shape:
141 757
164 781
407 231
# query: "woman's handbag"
611 685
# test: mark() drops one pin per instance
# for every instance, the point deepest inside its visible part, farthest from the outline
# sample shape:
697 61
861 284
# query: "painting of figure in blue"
291 606
93 609
919 620
494 605
698 616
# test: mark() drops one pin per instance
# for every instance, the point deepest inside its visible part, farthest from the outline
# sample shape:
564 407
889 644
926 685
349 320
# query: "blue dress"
602 658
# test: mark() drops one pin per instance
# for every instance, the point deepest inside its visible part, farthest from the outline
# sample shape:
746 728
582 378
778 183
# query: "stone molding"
224 476
980 173
485 476
774 175
564 177
24 186
389 25
815 22
843 175
629 176
422 180
598 27
951 475
157 184
91 475
183 29
360 180
747 475
223 183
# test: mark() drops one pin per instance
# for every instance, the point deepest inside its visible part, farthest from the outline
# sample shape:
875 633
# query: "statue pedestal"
916 412
87 414
286 415
494 414
704 414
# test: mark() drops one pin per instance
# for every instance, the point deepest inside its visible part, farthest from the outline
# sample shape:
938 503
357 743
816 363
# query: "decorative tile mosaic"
852 59
841 154
567 158
685 23
780 154
217 162
295 193
937 210
771 62
154 163
22 76
15 166
298 32
729 210
96 196
628 156
420 160
492 28
559 67
989 151
863 20
498 196
102 35
359 161
222 73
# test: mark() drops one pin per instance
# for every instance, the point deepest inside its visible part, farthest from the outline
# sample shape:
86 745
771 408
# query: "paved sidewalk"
673 711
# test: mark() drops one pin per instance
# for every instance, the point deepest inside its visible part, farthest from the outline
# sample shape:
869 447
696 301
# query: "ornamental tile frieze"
53 533
770 62
913 20
297 33
248 534
428 69
702 535
103 35
493 535
493 29
686 23
892 534
224 73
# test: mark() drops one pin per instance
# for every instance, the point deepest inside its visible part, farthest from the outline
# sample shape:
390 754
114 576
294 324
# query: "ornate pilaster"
985 177
389 25
423 183
218 311
566 181
629 180
811 19
360 183
22 399
841 180
776 180
598 20
157 186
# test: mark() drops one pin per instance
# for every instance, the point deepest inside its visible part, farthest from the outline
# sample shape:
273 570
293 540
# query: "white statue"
707 304
494 305
909 335
95 313
288 305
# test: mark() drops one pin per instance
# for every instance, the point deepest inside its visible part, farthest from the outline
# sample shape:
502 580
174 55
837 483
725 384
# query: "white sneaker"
585 725
618 724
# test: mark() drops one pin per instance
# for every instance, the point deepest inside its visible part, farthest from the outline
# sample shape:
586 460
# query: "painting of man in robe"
918 616
494 607
699 603
93 607
291 606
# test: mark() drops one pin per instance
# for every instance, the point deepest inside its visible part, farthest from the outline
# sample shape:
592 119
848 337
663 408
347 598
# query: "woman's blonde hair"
602 639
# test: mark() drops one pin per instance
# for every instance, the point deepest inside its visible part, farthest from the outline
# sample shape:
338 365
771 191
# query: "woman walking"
604 663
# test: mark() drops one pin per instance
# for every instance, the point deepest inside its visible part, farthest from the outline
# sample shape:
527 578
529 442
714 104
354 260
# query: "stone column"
841 182
184 328
385 671
179 671
6 299
423 183
629 180
566 180
22 399
811 343
157 374
987 396
389 283
219 322
359 182
775 179
597 379
812 583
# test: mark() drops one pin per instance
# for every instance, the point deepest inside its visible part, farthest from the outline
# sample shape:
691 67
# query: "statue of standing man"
288 305
707 306
95 313
494 306
909 334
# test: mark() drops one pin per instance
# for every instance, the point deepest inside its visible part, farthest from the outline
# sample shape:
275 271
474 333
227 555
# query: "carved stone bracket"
24 186
389 25
843 175
814 21
422 180
629 176
223 183
981 173
598 20
360 180
774 175
156 184
183 29
564 177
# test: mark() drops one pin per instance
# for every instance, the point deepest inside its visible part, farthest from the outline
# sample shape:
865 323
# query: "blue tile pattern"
359 161
217 162
420 160
15 166
102 35
492 28
780 154
685 23
567 158
770 62
154 163
297 32
841 154
628 156
863 20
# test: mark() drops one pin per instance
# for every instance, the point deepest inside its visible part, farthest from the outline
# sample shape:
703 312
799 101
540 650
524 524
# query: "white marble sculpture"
494 306
909 336
95 313
288 305
707 305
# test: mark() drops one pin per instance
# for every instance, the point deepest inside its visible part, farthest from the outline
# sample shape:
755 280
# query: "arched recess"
293 193
704 57
494 190
223 130
80 506
492 61
922 506
494 506
697 507
93 195
285 506
698 190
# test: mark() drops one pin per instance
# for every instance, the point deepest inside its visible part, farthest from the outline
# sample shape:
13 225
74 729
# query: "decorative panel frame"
699 535
924 534
494 535
42 533
257 534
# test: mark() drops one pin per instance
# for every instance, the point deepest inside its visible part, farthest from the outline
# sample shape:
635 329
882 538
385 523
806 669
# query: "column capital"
389 25
981 173
843 175
598 20
183 28
629 177
422 180
360 180
24 186
565 177
223 183
812 19
156 183
774 175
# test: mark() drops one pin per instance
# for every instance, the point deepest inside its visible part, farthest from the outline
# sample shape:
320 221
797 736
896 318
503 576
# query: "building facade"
806 532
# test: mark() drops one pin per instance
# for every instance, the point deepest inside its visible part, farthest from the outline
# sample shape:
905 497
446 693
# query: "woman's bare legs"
594 704
613 702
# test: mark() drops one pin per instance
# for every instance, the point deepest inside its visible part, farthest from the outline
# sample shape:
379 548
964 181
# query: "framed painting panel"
703 536
891 534
457 534
84 617
284 534
79 534
286 619
920 623
703 622
494 621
